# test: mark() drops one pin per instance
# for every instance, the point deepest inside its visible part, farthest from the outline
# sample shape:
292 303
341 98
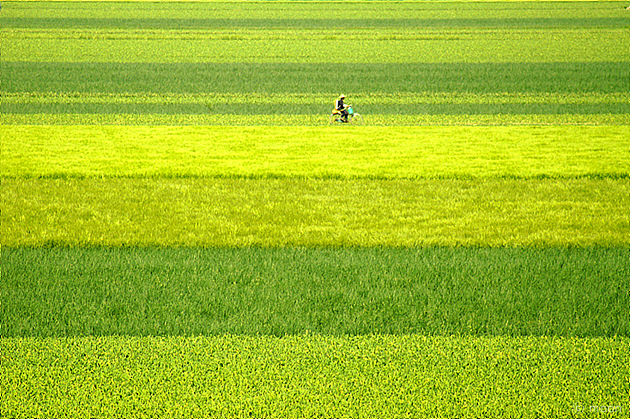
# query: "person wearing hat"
341 108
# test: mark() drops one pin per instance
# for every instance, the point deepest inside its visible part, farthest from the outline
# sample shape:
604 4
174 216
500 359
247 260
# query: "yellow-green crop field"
185 235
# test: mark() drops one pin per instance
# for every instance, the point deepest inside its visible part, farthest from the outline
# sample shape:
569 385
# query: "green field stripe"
291 120
315 152
308 376
227 109
389 34
590 46
372 99
312 10
59 292
283 78
317 104
315 212
132 23
315 109
312 109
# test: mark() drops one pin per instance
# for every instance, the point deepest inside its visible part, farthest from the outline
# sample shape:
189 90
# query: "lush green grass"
310 376
315 212
317 152
345 291
320 78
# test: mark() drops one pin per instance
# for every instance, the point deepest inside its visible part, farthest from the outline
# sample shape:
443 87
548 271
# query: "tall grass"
315 212
343 291
315 152
365 78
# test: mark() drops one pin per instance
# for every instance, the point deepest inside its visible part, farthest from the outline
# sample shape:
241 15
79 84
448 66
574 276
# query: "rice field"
315 152
315 212
183 234
307 375
336 291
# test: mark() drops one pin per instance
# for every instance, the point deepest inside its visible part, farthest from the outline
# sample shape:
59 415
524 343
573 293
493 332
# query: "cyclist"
341 108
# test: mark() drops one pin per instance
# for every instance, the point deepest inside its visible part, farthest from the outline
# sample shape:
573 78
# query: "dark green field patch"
228 108
314 78
342 291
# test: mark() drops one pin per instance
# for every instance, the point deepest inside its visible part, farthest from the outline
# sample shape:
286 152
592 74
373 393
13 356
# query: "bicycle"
353 117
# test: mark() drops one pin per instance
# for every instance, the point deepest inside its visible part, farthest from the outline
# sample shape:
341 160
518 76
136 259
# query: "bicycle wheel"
357 119
334 118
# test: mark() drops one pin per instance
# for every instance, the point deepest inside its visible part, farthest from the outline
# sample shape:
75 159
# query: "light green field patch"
382 33
590 46
308 376
319 152
315 212
293 120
